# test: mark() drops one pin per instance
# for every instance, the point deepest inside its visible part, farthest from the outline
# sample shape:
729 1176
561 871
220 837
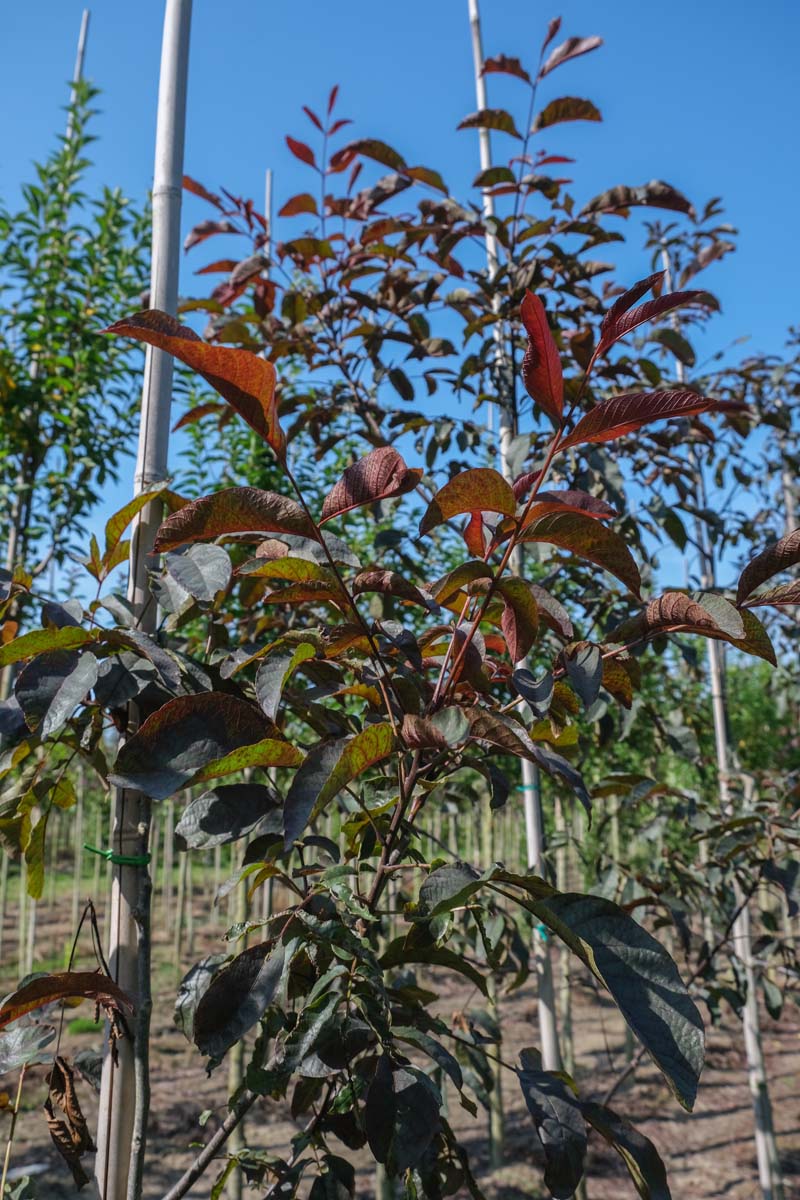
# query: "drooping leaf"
623 414
51 687
520 619
119 522
637 1151
225 815
491 118
480 489
503 65
380 475
557 1116
778 557
327 769
417 1119
370 148
541 366
303 203
25 1043
40 640
537 693
240 510
400 953
192 988
572 48
380 1111
64 985
244 379
389 583
567 108
590 540
276 668
584 670
202 571
509 735
236 998
182 737
570 500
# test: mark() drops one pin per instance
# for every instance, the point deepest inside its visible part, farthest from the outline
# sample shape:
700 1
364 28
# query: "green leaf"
225 815
560 1125
480 489
417 1119
327 769
185 735
236 998
399 953
242 510
269 752
380 1110
275 670
25 1043
34 858
39 640
119 522
637 1152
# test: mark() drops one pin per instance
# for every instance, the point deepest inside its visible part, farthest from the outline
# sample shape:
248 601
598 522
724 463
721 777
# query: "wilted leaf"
236 998
590 540
224 815
481 489
327 769
244 379
182 737
234 511
64 985
380 475
541 366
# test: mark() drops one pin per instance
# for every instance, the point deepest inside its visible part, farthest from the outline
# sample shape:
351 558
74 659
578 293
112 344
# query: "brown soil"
708 1154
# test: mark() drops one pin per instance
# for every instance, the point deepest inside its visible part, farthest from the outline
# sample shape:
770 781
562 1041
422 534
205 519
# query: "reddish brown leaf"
473 535
622 414
567 108
313 118
197 189
491 118
368 148
207 229
778 557
626 322
234 511
541 367
570 501
783 594
64 985
590 540
218 267
626 301
197 413
503 65
389 583
655 194
380 475
552 613
481 489
303 203
571 48
244 379
302 151
520 619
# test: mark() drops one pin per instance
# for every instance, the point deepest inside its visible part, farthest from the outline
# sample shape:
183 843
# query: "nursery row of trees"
407 572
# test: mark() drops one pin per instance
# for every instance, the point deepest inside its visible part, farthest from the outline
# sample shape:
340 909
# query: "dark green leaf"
637 1152
225 815
202 571
236 998
560 1125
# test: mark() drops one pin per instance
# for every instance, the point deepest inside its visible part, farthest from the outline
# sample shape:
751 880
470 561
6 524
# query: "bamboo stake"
124 1096
3 896
769 1171
531 780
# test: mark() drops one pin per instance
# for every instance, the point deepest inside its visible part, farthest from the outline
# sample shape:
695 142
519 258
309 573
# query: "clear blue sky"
701 93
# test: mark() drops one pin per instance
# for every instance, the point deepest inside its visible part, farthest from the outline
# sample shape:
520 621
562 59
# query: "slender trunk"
168 871
180 913
564 953
3 896
236 1068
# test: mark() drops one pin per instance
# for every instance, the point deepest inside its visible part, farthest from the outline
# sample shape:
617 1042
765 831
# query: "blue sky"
701 94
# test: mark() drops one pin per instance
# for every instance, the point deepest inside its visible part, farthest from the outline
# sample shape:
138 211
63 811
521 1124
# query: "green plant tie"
542 931
120 860
528 787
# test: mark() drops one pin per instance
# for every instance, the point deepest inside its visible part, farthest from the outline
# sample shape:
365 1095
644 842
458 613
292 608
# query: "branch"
234 1117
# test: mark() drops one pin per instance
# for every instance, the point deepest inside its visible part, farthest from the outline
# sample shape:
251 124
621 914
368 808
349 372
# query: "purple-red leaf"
481 489
369 148
206 229
622 414
627 300
244 510
303 203
655 194
302 151
571 48
783 594
541 367
587 539
501 64
778 557
244 379
520 619
380 475
64 985
491 118
567 108
197 189
620 326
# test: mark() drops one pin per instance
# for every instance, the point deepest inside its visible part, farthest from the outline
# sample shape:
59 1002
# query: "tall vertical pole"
769 1171
124 1095
531 780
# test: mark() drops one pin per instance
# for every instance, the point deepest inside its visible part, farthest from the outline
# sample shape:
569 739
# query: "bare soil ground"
709 1154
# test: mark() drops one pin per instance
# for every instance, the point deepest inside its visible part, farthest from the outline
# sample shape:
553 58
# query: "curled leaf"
242 510
623 414
380 475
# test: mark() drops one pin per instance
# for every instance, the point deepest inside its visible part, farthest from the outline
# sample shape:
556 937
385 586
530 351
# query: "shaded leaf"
51 687
185 735
520 619
24 1042
236 998
584 667
779 556
224 815
275 670
637 1151
327 769
202 571
191 990
557 1116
